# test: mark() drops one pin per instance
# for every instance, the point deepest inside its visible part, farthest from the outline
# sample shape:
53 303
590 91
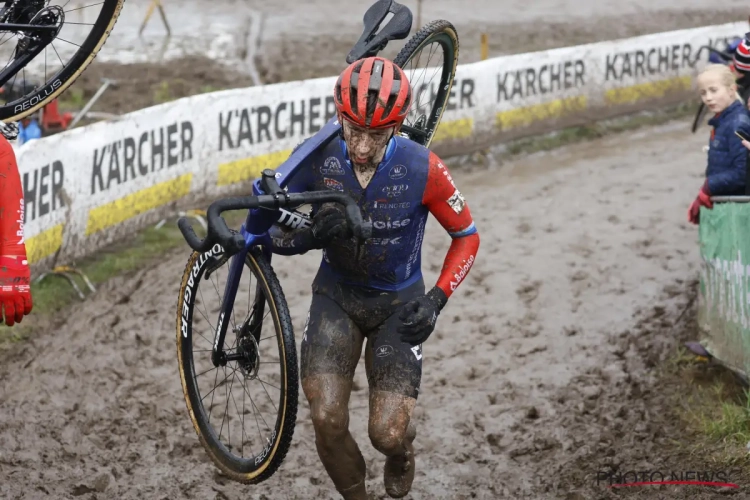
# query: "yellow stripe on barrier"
249 168
525 116
137 203
650 90
44 244
455 129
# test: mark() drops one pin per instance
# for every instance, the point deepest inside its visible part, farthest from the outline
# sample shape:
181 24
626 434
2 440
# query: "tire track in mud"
529 362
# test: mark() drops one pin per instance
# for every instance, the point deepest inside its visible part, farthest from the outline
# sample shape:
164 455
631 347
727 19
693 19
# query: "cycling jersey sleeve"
447 204
11 203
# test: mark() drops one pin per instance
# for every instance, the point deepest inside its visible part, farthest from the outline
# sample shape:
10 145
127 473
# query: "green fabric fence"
724 301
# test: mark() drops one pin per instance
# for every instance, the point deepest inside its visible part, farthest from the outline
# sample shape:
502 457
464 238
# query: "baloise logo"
379 224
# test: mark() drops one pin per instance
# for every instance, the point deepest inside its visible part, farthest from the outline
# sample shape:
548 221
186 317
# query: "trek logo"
397 172
333 184
457 202
293 219
391 225
383 351
384 241
395 190
331 166
282 243
462 272
383 203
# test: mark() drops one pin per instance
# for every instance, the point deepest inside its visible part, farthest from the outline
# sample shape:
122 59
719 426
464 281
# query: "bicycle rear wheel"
262 366
35 73
432 50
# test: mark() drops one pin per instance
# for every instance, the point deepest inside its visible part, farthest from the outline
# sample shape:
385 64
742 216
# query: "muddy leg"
329 405
331 348
392 433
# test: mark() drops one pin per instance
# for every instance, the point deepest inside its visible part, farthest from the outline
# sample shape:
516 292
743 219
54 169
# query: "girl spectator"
726 172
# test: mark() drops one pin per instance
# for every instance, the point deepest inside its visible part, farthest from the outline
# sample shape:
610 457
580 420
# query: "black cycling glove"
419 316
329 223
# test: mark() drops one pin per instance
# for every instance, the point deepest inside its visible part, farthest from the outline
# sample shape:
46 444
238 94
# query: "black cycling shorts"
341 316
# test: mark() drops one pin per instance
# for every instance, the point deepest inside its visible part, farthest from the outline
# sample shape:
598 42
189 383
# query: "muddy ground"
546 367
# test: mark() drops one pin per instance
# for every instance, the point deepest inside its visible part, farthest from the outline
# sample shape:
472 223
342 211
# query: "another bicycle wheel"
36 37
432 50
261 365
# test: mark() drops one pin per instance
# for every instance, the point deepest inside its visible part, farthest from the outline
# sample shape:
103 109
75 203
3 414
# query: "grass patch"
715 408
163 93
73 98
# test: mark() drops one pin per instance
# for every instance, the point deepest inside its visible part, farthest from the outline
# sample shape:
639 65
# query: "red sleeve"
445 202
11 203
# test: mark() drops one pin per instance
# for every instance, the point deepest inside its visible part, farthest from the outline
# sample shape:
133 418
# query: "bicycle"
37 25
243 357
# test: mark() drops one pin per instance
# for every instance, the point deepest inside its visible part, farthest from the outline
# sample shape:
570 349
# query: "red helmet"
385 97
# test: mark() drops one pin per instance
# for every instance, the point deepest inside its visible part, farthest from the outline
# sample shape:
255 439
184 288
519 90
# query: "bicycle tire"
445 34
58 83
243 470
699 117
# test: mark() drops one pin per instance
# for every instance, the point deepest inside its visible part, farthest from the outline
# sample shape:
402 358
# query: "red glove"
15 290
702 200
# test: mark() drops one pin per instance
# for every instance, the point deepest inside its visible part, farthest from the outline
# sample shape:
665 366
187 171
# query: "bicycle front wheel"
51 44
245 409
432 51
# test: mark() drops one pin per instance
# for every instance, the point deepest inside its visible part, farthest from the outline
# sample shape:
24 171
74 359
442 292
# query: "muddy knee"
329 407
331 422
390 421
387 440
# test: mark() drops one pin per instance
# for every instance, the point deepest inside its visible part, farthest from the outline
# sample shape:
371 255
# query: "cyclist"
15 291
376 292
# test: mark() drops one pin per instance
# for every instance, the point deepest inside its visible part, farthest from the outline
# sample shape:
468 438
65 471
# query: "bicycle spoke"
66 41
269 396
261 381
241 416
57 53
81 8
212 397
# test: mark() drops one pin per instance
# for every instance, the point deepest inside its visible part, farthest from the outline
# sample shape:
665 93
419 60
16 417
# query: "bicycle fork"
250 325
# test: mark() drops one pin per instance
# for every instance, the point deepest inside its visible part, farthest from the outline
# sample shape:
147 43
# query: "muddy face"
366 147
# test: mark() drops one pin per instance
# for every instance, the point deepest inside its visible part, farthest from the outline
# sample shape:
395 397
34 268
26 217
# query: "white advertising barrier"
91 186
